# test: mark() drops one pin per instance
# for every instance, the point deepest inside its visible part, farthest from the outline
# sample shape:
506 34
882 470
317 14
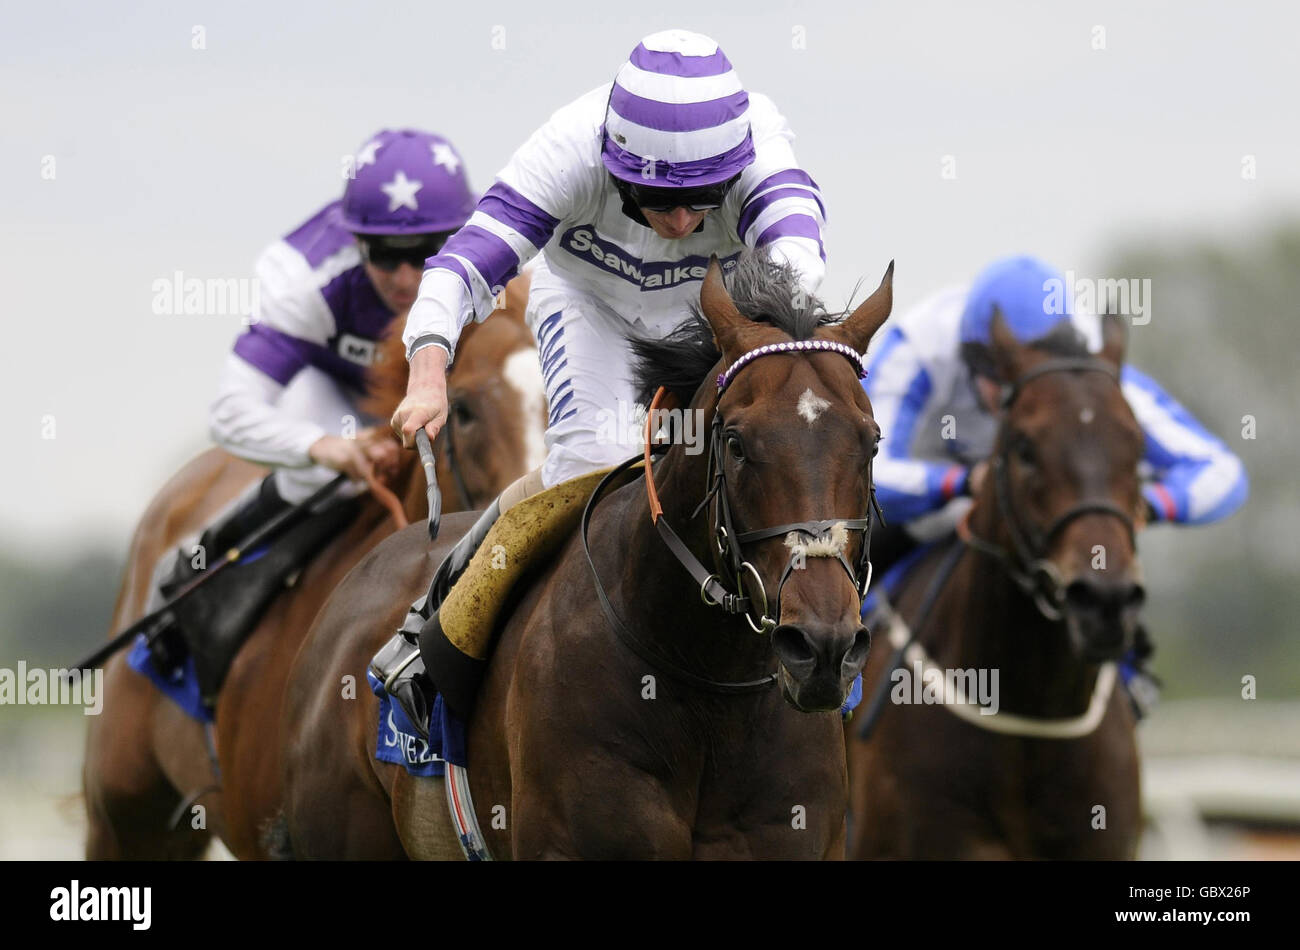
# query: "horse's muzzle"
1102 616
819 662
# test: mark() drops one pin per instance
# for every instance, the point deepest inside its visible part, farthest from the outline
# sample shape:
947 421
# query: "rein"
1027 564
727 541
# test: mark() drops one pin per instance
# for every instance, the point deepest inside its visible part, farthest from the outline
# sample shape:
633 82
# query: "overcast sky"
166 157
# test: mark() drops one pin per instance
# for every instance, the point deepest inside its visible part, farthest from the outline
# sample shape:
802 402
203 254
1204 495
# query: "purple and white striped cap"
678 115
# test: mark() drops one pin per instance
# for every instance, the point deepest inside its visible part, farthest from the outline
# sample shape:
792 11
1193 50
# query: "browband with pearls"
792 346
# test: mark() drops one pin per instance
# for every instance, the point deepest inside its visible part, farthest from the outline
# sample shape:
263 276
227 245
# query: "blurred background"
1115 140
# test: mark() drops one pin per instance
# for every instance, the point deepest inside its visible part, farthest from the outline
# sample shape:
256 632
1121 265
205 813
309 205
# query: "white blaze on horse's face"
523 372
811 406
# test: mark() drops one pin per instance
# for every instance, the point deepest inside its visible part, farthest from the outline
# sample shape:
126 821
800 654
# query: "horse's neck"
984 621
661 601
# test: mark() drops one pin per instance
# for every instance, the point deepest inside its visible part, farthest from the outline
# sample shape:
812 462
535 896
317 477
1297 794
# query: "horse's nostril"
857 655
1090 595
793 646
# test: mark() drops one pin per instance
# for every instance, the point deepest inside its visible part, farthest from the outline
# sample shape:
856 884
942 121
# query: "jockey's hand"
348 456
425 405
975 480
383 451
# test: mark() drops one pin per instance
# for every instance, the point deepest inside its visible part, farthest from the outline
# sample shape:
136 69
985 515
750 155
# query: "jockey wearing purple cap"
288 395
327 292
625 192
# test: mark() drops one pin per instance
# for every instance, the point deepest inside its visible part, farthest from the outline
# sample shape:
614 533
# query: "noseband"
750 593
1029 566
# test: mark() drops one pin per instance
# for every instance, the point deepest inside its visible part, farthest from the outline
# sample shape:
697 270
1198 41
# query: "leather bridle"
466 502
1028 564
749 594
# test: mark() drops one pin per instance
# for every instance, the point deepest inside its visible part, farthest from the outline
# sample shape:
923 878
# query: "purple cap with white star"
406 182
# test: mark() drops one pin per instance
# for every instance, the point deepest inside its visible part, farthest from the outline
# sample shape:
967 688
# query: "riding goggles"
389 252
664 200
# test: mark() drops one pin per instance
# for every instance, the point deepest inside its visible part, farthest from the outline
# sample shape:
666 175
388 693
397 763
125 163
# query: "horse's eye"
735 447
461 413
1025 454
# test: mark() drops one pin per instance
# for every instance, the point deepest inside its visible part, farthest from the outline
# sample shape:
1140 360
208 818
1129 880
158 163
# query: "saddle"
454 650
213 623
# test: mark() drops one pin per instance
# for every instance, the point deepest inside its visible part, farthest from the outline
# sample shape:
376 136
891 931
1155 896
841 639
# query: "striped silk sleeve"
512 222
900 388
782 206
1195 477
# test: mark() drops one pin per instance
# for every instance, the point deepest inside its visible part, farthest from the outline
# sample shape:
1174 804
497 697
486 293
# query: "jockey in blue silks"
939 423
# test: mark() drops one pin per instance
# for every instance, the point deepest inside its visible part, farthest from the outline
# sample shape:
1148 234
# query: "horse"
155 784
621 714
1041 586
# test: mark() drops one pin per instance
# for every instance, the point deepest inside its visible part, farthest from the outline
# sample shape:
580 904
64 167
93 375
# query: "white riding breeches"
594 421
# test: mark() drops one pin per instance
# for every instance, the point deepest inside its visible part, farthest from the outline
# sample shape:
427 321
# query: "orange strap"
656 509
388 500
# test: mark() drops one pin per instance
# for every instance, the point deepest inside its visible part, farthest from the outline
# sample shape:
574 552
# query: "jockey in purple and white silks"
625 192
939 430
289 393
619 200
327 292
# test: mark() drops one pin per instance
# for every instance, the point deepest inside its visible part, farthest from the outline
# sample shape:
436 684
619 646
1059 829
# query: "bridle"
749 594
453 464
1028 564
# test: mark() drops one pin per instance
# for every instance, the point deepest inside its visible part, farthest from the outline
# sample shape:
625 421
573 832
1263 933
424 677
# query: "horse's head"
1064 479
792 441
496 405
496 410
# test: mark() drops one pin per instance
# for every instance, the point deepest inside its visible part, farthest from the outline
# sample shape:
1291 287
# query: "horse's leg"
128 796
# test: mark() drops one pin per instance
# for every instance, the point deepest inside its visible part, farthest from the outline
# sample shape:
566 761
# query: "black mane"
764 290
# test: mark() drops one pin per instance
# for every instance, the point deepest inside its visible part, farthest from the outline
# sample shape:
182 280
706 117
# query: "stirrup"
399 667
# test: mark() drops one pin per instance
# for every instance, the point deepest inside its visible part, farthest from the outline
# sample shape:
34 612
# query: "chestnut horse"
649 725
1044 591
144 756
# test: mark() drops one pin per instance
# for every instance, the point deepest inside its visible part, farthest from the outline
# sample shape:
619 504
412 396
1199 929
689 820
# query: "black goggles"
389 252
663 200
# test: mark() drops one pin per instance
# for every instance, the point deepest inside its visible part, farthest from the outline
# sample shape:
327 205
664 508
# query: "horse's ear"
720 310
1008 352
1114 338
870 316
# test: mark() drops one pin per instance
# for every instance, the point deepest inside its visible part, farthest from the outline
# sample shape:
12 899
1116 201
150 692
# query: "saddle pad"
181 686
523 537
398 743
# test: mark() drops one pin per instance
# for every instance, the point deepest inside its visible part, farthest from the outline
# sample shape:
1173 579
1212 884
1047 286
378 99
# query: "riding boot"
217 618
403 663
259 506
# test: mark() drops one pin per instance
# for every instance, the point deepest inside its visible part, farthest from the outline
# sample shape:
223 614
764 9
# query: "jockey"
626 192
288 394
930 366
935 396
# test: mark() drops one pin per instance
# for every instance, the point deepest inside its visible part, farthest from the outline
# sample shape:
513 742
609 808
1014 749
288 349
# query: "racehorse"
622 714
145 758
1042 588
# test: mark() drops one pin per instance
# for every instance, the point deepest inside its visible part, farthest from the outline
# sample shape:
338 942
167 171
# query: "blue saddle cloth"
181 685
397 741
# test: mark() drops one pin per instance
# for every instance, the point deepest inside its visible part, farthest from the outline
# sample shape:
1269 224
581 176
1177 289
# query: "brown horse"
1044 593
144 756
651 726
